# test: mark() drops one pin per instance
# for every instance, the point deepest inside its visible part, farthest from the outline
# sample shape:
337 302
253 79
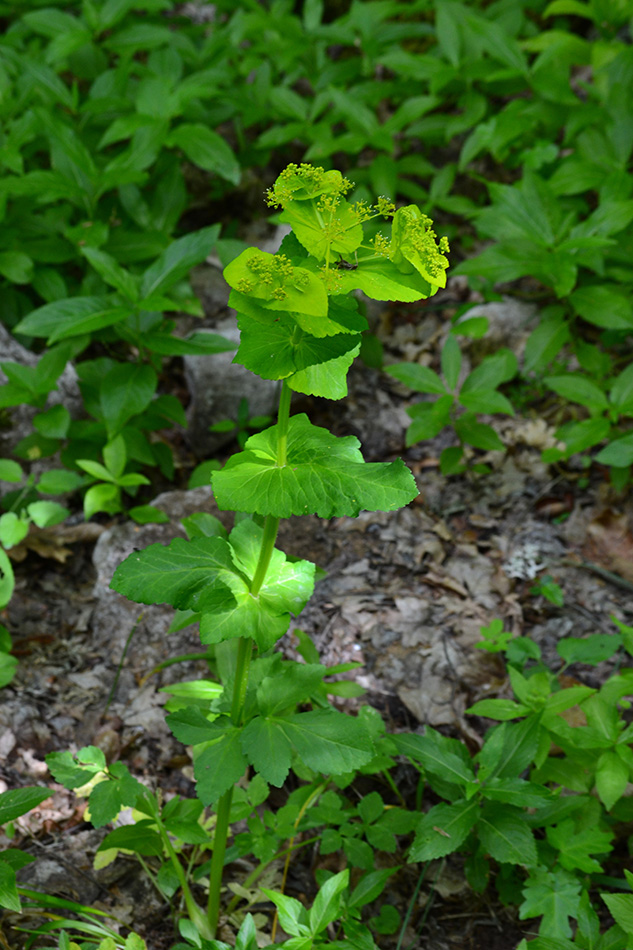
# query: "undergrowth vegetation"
125 125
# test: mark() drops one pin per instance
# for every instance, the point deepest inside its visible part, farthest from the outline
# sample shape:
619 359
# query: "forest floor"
406 594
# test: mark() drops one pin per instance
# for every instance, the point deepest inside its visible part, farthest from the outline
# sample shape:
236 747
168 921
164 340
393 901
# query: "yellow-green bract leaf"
276 283
382 280
337 230
414 245
323 475
277 351
327 379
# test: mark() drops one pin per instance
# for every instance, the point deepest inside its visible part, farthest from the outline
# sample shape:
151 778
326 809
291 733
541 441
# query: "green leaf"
141 838
578 389
486 401
443 830
53 423
276 284
500 709
274 352
478 434
612 776
604 306
591 650
323 475
268 749
148 514
180 574
493 370
327 903
9 897
57 481
328 741
451 358
73 316
18 801
12 529
505 836
44 514
10 471
420 378
126 390
621 909
546 342
618 453
433 758
112 273
516 791
220 766
206 149
177 260
212 575
16 266
576 845
554 895
200 343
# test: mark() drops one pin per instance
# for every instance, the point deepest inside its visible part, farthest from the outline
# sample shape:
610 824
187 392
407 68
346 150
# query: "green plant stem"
261 867
196 915
240 684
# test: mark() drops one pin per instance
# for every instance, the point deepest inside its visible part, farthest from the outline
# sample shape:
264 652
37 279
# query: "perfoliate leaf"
276 283
323 475
443 830
277 351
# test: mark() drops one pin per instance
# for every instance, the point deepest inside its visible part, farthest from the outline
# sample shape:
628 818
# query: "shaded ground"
405 593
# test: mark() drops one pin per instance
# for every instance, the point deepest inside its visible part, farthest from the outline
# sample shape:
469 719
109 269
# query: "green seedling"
457 404
243 425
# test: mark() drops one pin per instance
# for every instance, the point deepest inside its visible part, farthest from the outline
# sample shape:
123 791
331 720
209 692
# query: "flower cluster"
299 182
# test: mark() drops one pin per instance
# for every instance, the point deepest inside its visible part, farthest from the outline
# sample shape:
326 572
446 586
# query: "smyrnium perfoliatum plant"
299 324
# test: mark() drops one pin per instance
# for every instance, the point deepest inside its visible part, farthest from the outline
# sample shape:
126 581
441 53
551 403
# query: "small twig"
115 684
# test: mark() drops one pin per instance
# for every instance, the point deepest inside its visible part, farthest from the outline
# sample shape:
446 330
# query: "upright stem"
242 665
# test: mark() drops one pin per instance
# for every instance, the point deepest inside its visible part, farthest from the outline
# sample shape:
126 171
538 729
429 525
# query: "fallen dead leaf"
610 543
51 542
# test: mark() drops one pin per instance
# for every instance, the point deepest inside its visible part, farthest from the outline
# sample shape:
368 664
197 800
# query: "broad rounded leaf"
323 475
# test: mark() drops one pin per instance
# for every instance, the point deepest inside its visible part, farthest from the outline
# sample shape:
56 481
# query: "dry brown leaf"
610 543
50 542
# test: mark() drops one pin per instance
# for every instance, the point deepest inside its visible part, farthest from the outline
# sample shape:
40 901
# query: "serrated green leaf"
436 760
576 845
323 475
268 749
328 741
443 830
612 776
505 836
220 766
554 896
141 837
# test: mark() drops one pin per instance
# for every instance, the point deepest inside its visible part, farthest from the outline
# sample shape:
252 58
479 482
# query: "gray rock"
217 385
